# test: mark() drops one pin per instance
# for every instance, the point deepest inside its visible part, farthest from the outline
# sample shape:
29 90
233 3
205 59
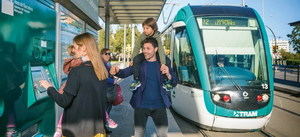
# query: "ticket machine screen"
40 73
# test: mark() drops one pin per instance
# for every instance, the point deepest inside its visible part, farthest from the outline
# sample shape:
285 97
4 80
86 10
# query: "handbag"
119 97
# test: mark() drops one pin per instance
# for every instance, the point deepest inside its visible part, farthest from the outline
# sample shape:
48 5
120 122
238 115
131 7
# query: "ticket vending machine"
27 55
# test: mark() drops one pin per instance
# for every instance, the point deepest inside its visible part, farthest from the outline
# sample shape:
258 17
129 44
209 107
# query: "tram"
222 59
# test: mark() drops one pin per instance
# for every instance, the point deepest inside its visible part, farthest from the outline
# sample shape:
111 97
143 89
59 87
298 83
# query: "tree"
117 41
295 38
101 37
285 55
166 43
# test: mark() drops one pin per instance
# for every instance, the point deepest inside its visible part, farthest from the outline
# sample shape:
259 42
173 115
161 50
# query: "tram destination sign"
225 21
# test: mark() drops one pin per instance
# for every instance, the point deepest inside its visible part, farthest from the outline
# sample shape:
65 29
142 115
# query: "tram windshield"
234 51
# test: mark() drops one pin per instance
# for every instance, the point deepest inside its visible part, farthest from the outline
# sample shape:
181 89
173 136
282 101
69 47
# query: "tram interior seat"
221 59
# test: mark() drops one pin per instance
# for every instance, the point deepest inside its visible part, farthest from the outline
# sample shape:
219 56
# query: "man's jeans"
159 117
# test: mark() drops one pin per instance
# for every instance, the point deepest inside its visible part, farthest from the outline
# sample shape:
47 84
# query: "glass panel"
70 27
92 31
234 52
184 60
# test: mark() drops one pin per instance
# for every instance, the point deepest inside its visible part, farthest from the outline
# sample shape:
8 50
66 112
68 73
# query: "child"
150 29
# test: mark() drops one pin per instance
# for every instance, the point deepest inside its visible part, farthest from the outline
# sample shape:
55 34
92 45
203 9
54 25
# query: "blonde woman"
83 98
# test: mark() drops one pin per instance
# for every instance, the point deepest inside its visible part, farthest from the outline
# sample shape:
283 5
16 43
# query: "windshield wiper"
230 78
227 73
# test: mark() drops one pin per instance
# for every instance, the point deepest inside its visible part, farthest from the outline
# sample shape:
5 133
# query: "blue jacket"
138 93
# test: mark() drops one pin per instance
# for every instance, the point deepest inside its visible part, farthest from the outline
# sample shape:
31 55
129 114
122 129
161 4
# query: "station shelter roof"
130 11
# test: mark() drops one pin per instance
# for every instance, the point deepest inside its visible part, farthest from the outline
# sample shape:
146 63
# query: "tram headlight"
265 97
216 97
262 98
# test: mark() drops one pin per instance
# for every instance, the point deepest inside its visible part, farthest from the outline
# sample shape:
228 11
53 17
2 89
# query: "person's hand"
130 63
61 89
163 67
165 71
45 84
114 70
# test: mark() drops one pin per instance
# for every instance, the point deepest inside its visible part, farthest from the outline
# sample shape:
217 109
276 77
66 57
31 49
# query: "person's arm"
70 90
63 100
123 73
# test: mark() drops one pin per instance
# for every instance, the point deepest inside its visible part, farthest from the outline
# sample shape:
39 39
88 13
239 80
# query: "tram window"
184 60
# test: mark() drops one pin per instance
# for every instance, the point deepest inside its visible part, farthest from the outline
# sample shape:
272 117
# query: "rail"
287 74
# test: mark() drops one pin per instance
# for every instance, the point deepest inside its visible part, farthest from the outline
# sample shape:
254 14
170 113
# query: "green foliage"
117 40
292 62
275 49
291 59
295 38
167 42
101 38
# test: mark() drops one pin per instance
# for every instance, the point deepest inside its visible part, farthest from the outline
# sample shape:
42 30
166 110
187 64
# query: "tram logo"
244 113
245 95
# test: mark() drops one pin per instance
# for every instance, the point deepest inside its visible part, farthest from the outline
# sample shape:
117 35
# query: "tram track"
266 133
202 132
287 98
286 109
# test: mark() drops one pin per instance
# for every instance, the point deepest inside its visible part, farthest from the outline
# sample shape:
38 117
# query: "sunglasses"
107 54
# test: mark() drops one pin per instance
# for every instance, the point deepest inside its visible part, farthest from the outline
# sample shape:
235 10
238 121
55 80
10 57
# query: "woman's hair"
87 40
152 23
70 50
104 50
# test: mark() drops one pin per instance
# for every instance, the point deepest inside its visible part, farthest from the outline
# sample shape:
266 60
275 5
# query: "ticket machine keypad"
40 73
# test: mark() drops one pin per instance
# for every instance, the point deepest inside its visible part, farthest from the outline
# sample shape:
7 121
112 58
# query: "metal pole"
124 46
132 37
298 69
275 43
285 72
106 45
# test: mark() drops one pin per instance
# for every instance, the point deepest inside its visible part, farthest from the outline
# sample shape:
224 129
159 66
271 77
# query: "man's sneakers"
134 85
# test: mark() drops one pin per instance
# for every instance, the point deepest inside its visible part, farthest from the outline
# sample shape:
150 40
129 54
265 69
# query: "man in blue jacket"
150 99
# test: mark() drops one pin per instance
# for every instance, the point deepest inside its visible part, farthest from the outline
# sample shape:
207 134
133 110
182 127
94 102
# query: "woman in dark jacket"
83 98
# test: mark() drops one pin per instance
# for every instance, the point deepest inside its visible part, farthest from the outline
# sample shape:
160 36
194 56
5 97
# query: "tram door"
27 55
187 95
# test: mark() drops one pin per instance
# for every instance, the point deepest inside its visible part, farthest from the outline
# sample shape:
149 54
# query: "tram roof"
130 11
223 11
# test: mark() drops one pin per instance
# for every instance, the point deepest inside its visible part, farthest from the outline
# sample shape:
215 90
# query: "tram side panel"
27 51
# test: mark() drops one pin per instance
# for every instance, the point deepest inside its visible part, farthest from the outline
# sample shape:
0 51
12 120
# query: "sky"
276 14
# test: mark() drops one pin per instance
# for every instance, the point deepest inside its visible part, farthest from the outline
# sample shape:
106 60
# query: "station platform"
293 90
123 115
